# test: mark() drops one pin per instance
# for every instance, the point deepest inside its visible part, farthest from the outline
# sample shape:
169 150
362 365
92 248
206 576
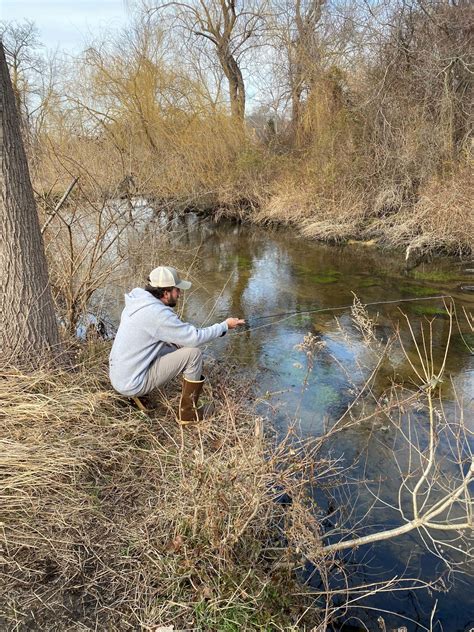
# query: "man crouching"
153 345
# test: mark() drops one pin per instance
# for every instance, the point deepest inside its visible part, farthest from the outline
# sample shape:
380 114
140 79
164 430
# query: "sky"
67 24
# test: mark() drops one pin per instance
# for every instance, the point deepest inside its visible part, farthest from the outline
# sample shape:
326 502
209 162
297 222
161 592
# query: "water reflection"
266 274
249 273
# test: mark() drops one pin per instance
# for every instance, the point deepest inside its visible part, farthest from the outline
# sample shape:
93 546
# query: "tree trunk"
296 105
28 325
303 57
236 84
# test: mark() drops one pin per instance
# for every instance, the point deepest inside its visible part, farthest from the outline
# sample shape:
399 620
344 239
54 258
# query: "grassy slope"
116 520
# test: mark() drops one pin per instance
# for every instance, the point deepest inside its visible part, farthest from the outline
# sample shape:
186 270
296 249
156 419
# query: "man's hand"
232 323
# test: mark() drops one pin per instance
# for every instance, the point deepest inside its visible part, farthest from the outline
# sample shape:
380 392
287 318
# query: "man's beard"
172 303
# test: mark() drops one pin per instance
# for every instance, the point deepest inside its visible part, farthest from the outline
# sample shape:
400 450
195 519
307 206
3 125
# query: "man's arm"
172 330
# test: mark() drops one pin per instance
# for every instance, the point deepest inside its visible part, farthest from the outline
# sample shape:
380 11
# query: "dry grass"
116 520
288 205
315 212
441 220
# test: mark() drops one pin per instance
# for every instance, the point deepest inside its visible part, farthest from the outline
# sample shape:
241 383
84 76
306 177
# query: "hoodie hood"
137 299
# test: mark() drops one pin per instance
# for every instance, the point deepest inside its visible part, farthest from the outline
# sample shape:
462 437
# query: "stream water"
263 275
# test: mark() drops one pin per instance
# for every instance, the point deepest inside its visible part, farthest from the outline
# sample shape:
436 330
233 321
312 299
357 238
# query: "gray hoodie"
146 325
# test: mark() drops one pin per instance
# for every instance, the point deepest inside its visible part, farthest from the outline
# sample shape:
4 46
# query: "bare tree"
303 53
20 42
28 320
229 25
312 44
419 77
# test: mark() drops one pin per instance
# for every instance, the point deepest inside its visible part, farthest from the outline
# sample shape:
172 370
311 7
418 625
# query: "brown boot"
188 408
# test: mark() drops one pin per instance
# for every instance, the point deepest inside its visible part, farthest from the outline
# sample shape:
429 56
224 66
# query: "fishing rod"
287 315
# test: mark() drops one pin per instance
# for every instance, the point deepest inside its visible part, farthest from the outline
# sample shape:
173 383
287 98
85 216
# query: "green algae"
462 342
435 276
325 277
243 262
418 290
369 282
428 310
321 276
327 395
324 280
303 320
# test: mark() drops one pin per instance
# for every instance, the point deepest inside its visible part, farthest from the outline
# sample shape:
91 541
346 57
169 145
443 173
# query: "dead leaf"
175 545
206 593
216 444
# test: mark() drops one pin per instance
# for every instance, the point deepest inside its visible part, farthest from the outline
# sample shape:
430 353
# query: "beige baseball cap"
164 276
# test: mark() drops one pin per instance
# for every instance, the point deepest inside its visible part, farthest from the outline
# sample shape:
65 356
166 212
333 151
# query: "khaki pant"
187 360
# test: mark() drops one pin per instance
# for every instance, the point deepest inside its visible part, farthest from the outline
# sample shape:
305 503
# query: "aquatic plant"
418 290
428 310
439 276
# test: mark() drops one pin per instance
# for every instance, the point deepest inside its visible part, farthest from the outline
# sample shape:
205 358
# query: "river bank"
432 220
437 222
118 520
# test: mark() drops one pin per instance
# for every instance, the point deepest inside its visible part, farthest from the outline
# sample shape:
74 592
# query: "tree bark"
28 324
236 84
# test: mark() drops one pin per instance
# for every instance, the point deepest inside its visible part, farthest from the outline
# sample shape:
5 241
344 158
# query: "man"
153 345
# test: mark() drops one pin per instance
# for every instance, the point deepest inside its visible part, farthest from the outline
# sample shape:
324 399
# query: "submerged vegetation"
428 310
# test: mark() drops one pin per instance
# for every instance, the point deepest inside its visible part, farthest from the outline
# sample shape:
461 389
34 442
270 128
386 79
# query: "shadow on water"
262 276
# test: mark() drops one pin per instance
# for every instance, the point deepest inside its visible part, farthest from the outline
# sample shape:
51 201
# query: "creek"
264 275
